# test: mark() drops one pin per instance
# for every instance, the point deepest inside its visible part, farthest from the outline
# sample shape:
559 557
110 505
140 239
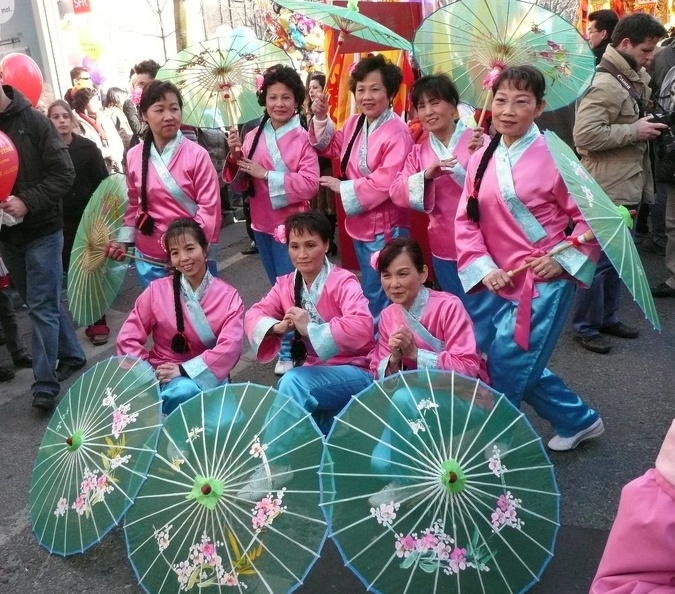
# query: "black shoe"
6 374
620 329
648 245
23 362
65 369
663 290
595 343
250 251
44 402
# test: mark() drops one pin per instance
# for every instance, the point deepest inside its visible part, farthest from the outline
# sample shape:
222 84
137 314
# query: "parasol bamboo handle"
488 97
340 41
585 238
138 258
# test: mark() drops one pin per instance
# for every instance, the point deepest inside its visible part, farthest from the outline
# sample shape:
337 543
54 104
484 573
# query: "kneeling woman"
334 334
420 329
195 320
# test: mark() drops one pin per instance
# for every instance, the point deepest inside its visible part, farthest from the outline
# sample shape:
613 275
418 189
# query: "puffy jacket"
46 172
605 133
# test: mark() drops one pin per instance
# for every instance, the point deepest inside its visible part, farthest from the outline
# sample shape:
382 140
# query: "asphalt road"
632 387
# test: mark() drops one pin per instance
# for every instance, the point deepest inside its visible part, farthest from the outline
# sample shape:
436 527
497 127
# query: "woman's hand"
545 267
403 342
252 168
165 372
476 141
497 280
442 167
234 143
282 327
115 250
320 107
332 183
299 318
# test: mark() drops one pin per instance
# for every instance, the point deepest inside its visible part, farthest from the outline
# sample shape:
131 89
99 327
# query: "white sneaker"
391 493
260 485
282 367
564 444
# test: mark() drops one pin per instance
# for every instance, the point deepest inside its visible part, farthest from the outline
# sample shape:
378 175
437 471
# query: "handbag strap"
606 66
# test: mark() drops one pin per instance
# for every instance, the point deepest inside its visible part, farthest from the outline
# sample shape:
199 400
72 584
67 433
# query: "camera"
661 117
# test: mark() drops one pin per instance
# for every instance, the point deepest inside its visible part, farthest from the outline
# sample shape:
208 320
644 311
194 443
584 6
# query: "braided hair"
154 92
523 78
181 228
348 153
313 223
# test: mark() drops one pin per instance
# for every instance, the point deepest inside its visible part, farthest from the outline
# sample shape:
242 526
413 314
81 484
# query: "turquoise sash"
195 311
161 165
412 320
505 159
366 131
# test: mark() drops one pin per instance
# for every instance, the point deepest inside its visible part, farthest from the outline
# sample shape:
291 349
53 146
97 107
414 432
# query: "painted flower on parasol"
470 504
217 79
193 530
94 455
474 40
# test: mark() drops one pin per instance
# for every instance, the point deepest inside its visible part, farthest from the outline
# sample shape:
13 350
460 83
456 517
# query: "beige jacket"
605 134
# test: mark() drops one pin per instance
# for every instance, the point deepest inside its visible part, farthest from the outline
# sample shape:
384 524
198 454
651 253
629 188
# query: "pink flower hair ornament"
279 234
374 259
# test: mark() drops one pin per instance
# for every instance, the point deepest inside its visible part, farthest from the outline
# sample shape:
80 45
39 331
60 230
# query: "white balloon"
223 30
6 10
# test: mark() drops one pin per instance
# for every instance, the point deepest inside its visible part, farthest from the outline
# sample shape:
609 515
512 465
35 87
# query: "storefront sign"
6 10
81 6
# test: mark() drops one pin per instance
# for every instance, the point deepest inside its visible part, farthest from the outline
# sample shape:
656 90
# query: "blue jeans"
599 304
276 261
37 271
657 212
370 278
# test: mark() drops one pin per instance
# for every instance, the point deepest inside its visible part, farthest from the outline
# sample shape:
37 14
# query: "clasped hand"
295 318
402 344
165 372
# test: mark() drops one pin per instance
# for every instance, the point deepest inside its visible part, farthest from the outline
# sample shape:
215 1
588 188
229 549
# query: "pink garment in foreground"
639 557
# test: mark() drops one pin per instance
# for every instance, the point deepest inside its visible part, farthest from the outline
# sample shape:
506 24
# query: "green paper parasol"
191 530
472 501
469 39
94 455
607 222
217 79
94 281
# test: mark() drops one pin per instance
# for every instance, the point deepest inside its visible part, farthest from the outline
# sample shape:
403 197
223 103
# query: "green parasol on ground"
94 455
192 528
471 503
218 79
94 281
608 224
470 40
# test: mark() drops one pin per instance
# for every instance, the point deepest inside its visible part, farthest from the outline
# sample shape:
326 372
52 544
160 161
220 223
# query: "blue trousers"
175 392
370 278
479 305
37 272
275 260
522 375
323 390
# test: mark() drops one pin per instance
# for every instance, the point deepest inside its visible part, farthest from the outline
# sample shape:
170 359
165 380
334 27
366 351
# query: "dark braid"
145 223
179 342
298 346
350 146
258 133
472 203
303 119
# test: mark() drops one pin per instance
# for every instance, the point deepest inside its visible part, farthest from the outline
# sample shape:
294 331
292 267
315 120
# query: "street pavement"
632 387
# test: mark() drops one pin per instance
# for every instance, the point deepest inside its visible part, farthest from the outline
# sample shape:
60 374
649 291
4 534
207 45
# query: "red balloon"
21 72
9 166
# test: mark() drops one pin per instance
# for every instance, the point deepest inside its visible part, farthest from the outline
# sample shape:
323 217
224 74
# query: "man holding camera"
611 133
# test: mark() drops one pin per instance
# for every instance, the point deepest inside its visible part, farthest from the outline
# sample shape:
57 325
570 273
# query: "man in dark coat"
31 248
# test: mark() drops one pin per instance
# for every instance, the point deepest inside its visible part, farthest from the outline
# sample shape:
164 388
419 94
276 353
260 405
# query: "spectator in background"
113 105
9 329
142 75
80 78
601 25
97 127
611 132
90 171
31 248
